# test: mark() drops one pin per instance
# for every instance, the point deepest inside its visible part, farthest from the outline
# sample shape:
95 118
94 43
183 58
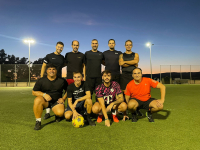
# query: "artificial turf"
176 127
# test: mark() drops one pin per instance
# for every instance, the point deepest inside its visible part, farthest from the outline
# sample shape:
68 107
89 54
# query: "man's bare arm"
133 62
87 96
37 93
70 105
127 98
102 104
162 91
121 59
84 76
119 99
43 69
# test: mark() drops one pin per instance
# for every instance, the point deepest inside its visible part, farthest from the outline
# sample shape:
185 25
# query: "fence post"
160 75
0 74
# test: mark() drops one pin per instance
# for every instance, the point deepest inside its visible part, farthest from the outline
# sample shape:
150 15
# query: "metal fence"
18 73
180 74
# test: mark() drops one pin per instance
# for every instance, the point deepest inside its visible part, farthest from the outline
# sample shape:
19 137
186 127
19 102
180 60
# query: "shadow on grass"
143 111
160 116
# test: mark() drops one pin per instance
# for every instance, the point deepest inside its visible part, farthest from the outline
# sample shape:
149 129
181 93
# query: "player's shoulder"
132 82
98 87
119 52
89 51
114 84
50 54
106 51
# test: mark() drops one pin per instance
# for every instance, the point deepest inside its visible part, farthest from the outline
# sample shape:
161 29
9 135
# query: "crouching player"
48 91
79 99
138 95
110 98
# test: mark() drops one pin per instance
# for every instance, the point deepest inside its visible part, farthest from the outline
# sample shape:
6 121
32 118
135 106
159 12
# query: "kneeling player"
109 97
138 95
48 91
79 99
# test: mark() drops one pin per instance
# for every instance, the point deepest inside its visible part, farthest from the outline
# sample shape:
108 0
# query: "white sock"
48 110
38 119
114 113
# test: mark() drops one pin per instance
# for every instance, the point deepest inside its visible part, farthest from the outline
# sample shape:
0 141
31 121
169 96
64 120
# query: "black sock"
134 113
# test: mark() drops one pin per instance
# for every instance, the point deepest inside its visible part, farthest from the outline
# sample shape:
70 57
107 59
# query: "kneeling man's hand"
47 97
109 107
61 101
159 103
75 114
107 123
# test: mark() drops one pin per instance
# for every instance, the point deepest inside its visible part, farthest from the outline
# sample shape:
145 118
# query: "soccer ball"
78 122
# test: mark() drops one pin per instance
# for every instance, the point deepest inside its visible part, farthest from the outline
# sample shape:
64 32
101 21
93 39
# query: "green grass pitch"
177 127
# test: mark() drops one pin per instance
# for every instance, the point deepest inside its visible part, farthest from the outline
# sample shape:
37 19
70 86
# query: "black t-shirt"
77 92
57 60
112 61
53 88
74 63
93 62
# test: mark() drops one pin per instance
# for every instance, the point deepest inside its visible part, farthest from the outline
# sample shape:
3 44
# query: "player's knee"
95 109
132 104
67 116
160 108
123 106
59 112
89 101
38 100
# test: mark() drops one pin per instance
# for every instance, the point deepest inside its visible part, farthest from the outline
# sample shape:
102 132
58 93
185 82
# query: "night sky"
173 26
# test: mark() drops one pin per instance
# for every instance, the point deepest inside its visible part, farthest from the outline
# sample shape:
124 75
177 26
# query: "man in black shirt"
129 61
79 99
74 61
112 60
54 58
48 91
58 60
93 61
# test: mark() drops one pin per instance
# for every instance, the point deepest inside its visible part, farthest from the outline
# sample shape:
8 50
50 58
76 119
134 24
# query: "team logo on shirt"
53 58
112 90
78 57
116 53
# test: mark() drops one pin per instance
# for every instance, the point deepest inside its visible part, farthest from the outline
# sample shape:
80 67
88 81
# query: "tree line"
21 67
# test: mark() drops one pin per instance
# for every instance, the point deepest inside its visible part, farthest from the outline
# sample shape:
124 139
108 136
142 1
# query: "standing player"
79 98
111 57
138 95
74 61
48 91
93 61
109 97
54 58
58 60
129 61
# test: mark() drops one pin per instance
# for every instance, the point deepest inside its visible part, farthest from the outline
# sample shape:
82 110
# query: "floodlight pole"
149 44
29 42
29 64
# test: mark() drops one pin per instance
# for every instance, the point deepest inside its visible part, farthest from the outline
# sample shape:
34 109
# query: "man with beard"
93 61
138 95
48 91
79 99
111 57
58 60
74 61
110 98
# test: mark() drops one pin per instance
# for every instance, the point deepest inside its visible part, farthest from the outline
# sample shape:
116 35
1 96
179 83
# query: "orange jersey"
142 90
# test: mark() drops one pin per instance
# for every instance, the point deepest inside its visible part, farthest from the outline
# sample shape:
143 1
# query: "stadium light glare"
29 41
149 45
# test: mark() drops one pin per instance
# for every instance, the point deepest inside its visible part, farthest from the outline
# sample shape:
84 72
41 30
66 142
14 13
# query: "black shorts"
116 78
52 104
79 107
144 104
124 80
93 82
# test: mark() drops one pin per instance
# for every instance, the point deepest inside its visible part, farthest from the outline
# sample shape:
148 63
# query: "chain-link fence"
180 74
18 74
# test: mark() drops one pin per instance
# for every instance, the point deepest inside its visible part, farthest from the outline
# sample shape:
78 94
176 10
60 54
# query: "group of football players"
115 91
